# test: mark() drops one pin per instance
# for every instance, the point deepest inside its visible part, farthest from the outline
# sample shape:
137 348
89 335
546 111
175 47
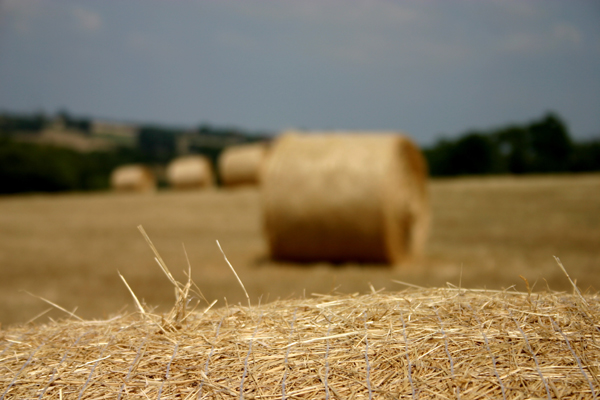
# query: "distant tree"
157 144
585 156
474 153
26 167
12 123
38 121
64 114
81 124
78 123
543 145
515 149
550 144
438 157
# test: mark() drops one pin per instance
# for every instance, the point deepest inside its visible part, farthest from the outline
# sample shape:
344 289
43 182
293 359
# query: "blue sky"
429 68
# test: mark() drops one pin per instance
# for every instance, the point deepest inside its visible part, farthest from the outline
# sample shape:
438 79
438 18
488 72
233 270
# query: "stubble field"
485 233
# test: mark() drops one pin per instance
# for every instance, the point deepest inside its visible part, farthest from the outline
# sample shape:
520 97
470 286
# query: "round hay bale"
190 172
345 197
241 164
434 343
133 178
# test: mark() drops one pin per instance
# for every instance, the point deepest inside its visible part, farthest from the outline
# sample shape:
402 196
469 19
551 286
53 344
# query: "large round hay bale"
241 164
133 178
190 172
345 197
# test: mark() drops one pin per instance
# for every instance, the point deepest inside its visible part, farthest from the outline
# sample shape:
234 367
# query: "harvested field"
68 248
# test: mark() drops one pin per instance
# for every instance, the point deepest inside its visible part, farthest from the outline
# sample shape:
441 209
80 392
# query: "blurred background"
502 98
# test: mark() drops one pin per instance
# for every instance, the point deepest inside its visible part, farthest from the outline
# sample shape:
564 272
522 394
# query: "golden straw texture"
190 172
426 343
241 164
345 197
134 178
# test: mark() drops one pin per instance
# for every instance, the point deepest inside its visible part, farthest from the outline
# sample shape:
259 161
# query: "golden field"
68 248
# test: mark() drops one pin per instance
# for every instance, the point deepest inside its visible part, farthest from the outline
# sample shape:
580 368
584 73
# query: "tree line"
541 146
28 167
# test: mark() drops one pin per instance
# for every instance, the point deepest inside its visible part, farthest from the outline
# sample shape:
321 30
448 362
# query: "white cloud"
400 33
87 19
334 13
348 31
21 7
567 34
21 14
139 41
518 9
28 16
559 37
536 28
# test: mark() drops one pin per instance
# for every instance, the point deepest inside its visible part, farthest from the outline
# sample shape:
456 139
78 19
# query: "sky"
430 68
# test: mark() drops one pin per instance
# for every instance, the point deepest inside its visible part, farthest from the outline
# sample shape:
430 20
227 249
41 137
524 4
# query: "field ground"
485 233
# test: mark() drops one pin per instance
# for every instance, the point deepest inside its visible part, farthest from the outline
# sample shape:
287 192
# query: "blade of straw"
137 303
575 288
158 258
235 273
55 305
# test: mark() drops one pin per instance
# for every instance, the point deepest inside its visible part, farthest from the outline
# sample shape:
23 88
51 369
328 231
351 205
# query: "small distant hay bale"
419 344
241 164
190 172
345 197
133 178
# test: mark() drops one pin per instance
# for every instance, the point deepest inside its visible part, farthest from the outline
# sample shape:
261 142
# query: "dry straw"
345 197
190 172
241 164
419 343
133 178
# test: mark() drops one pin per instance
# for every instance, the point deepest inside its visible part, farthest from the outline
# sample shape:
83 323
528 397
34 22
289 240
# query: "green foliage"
157 144
10 123
586 156
80 124
514 149
474 153
26 167
542 146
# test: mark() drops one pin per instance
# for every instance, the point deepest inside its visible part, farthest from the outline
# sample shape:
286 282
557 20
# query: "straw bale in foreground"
345 197
435 343
133 178
241 164
190 172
